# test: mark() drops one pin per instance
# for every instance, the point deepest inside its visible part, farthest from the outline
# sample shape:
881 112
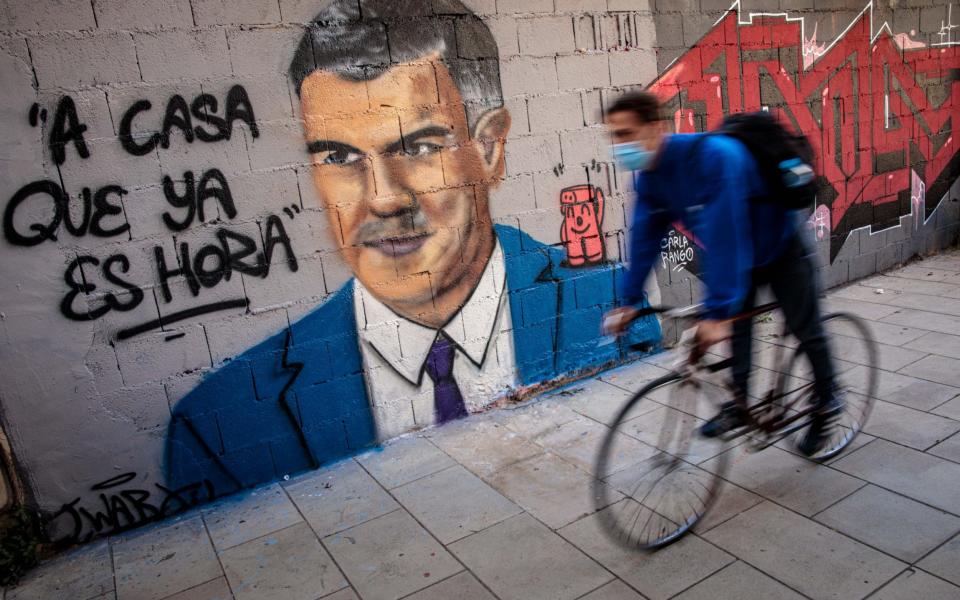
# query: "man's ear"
490 134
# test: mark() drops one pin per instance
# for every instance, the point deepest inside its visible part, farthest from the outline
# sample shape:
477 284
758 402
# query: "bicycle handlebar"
696 310
671 312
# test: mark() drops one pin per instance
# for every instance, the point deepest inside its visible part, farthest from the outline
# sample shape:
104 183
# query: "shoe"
821 425
731 416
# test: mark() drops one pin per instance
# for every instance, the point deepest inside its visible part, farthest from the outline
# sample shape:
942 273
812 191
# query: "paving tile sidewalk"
499 506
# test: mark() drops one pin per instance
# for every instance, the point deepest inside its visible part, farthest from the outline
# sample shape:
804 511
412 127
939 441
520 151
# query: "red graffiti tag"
873 111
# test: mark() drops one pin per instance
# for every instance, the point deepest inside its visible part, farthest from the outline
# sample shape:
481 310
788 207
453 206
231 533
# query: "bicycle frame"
769 416
668 487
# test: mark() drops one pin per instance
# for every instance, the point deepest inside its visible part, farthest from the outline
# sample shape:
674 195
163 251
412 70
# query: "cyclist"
706 182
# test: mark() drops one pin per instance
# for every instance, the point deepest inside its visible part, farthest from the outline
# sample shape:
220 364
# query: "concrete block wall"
197 303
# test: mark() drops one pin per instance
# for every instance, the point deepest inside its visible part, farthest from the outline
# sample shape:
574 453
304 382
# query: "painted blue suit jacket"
298 399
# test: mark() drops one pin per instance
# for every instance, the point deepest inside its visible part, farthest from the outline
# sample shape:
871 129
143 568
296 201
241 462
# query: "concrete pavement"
498 505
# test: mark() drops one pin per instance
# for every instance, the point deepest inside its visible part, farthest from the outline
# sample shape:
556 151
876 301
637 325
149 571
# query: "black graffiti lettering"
101 212
276 234
138 500
107 519
209 277
136 294
127 508
102 520
165 273
204 108
177 497
174 498
44 231
77 288
187 200
114 481
206 190
80 230
192 282
67 128
126 137
118 508
239 108
213 185
36 115
177 115
109 300
208 487
69 509
102 208
171 318
94 211
235 257
213 263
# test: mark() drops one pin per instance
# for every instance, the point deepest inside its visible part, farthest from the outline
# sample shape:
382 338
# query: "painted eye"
423 149
341 157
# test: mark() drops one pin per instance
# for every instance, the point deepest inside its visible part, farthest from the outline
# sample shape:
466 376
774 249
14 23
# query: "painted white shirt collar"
405 345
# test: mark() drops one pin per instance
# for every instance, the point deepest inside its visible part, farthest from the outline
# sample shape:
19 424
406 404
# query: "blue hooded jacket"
706 182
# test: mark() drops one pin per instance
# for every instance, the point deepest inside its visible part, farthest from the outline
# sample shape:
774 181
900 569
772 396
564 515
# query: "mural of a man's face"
404 184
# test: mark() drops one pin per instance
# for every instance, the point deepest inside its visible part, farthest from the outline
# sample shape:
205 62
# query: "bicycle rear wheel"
850 338
651 494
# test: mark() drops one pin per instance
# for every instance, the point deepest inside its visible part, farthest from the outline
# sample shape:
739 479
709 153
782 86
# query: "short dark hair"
644 105
360 40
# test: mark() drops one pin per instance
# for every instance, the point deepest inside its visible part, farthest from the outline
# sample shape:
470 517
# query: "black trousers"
792 279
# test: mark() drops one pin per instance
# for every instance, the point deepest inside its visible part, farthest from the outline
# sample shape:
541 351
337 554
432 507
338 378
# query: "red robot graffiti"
581 233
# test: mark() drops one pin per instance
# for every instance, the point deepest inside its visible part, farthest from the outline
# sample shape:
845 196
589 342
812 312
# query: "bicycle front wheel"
656 475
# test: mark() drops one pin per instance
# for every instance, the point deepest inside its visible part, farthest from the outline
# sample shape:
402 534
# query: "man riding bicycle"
707 183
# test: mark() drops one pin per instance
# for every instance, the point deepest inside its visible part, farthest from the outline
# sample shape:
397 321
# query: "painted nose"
393 195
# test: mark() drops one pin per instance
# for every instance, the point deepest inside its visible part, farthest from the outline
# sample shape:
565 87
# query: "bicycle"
680 473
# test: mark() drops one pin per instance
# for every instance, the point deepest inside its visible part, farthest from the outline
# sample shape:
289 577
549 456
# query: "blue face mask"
631 156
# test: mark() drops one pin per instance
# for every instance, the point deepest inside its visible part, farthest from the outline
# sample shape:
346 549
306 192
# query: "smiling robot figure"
582 207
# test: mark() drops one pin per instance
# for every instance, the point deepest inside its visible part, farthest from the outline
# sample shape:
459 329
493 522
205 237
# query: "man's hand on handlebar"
709 333
617 321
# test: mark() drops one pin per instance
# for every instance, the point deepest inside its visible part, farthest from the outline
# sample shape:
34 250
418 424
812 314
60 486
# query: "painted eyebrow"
318 146
428 131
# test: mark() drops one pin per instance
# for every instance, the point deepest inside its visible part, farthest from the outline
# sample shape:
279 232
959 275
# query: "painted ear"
491 133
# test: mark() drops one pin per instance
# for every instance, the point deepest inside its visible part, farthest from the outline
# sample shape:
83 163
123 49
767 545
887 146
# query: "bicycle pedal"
756 447
733 434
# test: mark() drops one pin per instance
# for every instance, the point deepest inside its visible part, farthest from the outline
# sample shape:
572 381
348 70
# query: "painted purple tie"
447 400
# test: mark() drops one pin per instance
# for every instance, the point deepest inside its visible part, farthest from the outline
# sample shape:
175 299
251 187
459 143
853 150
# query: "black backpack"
785 159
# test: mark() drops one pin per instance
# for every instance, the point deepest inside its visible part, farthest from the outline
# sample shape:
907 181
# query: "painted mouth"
398 246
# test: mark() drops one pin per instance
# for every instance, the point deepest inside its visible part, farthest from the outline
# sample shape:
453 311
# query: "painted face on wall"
404 184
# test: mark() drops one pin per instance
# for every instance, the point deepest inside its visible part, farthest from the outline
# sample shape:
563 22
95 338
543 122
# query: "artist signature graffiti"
122 509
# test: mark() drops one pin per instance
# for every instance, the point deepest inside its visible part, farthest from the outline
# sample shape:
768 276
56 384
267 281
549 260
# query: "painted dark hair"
359 40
